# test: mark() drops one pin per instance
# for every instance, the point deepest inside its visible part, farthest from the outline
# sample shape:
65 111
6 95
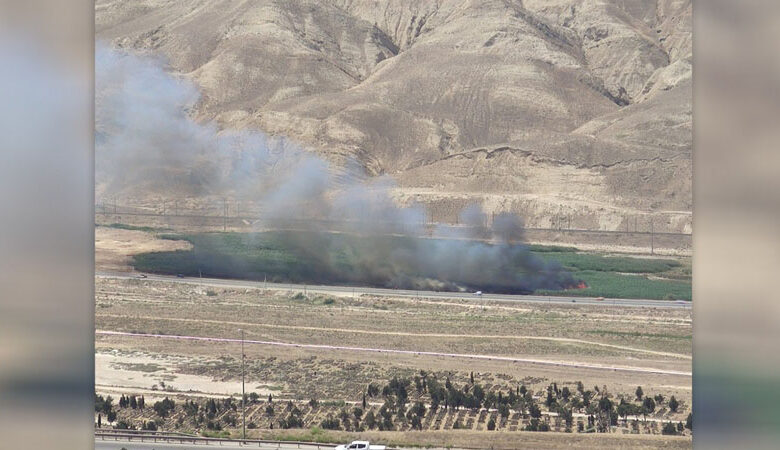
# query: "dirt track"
572 364
396 333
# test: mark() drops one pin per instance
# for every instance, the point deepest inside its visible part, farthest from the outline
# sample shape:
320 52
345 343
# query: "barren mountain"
574 110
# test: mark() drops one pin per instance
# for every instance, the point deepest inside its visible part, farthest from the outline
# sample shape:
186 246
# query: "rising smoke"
146 138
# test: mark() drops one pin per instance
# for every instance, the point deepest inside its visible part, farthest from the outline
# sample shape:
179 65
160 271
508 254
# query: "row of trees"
602 408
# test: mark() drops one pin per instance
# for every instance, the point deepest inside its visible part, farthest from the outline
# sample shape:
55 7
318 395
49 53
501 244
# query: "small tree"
133 402
639 393
503 410
107 405
669 429
534 411
269 411
648 406
659 399
673 404
689 422
370 420
491 425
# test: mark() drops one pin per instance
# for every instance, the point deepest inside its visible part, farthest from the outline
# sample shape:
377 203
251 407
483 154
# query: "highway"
127 445
358 290
111 444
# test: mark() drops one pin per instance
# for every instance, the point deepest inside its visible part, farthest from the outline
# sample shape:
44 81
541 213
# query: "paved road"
127 445
217 282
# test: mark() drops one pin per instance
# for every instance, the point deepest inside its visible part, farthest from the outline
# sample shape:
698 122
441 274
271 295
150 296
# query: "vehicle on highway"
143 275
599 299
478 293
179 275
360 445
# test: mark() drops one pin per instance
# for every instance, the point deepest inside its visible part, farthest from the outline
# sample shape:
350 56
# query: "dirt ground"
603 335
114 247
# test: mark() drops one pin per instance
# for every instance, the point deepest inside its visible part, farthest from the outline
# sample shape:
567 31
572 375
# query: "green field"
266 255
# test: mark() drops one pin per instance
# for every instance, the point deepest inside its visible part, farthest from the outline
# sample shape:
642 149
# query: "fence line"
224 218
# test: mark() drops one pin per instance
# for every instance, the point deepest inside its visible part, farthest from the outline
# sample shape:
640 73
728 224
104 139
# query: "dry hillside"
550 108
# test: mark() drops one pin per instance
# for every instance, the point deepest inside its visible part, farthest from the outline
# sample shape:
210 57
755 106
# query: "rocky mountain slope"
573 110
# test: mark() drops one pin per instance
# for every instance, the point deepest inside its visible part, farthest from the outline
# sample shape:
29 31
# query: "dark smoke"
146 139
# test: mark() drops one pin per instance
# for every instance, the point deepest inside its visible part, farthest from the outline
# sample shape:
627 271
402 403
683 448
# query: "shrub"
331 423
669 429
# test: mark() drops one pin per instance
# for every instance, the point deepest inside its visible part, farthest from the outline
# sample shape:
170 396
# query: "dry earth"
114 247
658 338
566 108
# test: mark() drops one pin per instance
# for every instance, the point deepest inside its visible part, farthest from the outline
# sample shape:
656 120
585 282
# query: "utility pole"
243 390
224 214
652 237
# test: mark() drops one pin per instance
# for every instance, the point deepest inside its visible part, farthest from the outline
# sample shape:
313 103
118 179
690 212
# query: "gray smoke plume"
146 138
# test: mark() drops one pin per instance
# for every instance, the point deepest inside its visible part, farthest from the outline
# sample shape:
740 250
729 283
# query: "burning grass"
267 255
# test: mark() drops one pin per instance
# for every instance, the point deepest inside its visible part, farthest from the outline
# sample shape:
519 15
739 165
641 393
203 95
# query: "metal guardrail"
183 438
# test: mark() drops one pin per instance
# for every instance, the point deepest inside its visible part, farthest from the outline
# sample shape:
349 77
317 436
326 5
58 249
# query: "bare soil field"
114 247
157 367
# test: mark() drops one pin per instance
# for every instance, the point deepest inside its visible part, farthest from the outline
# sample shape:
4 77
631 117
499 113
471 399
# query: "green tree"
534 411
503 411
370 420
491 425
659 399
107 405
689 422
648 406
639 393
673 404
669 429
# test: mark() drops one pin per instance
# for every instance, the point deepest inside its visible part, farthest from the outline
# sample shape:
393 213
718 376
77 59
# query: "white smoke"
146 138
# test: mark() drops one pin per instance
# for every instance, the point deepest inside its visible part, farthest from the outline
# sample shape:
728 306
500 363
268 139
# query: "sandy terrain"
598 335
115 247
568 108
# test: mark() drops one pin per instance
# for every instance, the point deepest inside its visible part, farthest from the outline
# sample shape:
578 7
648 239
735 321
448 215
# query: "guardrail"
183 438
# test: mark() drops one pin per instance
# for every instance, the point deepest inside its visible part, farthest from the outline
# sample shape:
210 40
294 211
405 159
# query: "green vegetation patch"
122 226
266 256
618 285
638 334
593 262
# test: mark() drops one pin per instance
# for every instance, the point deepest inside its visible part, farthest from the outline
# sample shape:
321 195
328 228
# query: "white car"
478 293
360 445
